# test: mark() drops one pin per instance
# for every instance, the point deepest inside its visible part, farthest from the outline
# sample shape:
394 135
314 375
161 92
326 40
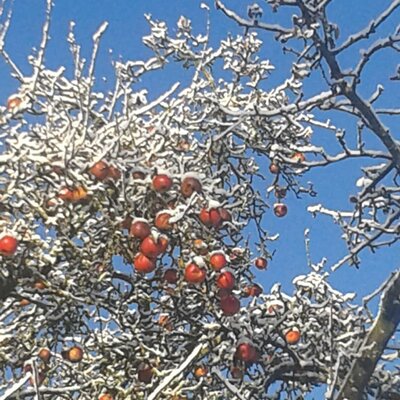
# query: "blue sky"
126 27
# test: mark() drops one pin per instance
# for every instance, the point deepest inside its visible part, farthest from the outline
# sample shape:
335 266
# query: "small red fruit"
138 175
66 194
150 247
100 170
194 274
275 309
246 352
8 245
190 185
40 285
200 247
236 372
205 218
165 322
74 354
144 264
171 276
225 214
140 229
298 157
44 354
226 280
13 102
24 302
215 218
105 396
127 222
253 291
274 168
200 371
163 243
51 203
280 209
230 305
261 263
162 221
79 193
292 336
114 173
218 261
162 183
145 373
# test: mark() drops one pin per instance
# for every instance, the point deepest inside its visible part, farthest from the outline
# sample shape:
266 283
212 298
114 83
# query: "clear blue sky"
126 27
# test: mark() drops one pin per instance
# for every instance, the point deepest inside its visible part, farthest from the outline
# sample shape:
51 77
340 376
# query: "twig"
175 373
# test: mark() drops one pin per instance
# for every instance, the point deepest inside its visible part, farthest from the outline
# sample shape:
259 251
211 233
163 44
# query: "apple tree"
127 271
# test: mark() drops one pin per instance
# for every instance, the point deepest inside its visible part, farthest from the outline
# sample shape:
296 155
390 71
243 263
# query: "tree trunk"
375 343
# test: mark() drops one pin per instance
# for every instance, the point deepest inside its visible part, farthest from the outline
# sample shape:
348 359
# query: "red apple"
140 229
246 352
236 372
253 291
218 261
100 170
205 218
13 102
275 309
165 322
226 280
144 264
44 354
200 247
225 214
163 244
150 247
190 185
200 371
24 302
66 194
8 245
215 218
261 263
280 209
171 276
80 193
292 336
145 373
138 175
40 284
127 222
114 173
230 305
51 203
298 157
274 168
162 223
75 354
194 274
162 183
105 396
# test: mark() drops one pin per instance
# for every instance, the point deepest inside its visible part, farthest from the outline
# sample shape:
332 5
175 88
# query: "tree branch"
375 343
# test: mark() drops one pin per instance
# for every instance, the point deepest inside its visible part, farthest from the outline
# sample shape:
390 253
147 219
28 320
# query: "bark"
375 343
